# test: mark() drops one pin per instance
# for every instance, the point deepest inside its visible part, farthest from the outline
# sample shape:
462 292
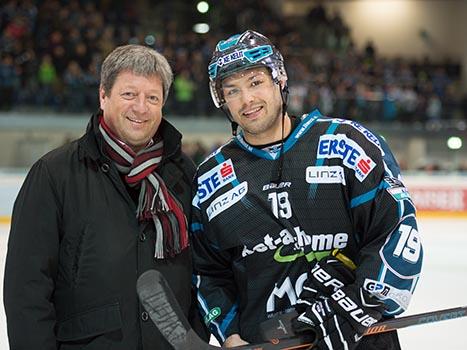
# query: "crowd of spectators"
50 52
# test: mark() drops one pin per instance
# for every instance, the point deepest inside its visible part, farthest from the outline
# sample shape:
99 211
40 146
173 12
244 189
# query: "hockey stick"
158 300
280 326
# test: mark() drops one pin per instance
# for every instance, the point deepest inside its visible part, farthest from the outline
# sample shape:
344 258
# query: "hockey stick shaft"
418 319
280 326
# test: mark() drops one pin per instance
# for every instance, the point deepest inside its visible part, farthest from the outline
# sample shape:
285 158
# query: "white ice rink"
443 285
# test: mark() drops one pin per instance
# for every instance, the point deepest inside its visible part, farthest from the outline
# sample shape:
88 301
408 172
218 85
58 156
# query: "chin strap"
285 98
234 127
233 124
277 177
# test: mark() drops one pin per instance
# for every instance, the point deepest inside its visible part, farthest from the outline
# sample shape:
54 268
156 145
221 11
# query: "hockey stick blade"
280 326
164 309
158 300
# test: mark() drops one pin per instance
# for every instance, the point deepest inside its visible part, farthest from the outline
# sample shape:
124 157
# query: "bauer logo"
226 200
325 175
216 178
352 155
274 186
385 291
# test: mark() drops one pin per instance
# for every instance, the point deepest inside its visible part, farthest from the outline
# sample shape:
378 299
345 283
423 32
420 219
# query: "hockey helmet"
247 50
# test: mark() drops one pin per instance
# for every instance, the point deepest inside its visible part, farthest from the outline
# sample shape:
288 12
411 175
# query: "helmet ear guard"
215 92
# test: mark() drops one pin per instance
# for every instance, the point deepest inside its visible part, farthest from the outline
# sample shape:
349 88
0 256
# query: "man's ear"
284 89
102 97
281 84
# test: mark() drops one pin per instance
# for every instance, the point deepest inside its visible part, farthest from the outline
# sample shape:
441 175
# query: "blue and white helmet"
239 52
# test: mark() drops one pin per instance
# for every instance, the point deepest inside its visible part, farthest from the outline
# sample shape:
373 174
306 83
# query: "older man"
95 214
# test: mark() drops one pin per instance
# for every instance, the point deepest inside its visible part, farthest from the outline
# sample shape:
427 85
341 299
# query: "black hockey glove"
328 275
340 320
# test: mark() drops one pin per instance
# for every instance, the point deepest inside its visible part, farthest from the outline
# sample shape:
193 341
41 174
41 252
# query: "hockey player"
271 205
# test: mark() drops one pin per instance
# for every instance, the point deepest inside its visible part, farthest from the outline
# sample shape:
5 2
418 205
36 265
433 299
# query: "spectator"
434 108
9 82
74 87
47 77
184 89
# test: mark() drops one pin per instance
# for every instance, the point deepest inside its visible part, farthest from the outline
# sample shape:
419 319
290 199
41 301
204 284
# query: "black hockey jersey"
254 241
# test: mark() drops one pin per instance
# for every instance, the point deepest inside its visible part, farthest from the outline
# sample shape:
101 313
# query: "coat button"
105 167
144 316
142 237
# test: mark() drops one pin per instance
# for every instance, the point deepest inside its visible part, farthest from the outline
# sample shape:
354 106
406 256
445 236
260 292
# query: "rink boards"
433 195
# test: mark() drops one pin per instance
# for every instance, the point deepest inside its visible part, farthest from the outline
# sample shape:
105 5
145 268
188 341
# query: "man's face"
133 108
255 103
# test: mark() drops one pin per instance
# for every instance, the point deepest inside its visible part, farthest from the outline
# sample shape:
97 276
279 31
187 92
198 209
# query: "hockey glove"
340 320
328 275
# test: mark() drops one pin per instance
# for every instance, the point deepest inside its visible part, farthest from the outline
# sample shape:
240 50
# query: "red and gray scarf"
155 201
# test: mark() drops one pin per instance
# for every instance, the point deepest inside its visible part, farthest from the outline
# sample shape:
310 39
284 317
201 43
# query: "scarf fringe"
159 252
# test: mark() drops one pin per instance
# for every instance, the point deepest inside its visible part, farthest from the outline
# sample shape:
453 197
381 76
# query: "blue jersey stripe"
319 162
196 226
363 198
330 130
220 159
213 326
229 317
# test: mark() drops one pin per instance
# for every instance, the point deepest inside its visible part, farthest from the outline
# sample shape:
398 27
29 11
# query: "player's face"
255 103
133 108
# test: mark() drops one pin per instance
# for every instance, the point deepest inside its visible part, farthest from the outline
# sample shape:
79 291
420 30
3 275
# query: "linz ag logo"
214 179
226 200
352 155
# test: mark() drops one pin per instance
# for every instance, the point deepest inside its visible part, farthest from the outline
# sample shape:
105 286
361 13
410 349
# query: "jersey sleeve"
390 252
213 278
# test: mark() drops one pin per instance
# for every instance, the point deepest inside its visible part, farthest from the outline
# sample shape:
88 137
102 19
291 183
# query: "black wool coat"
76 250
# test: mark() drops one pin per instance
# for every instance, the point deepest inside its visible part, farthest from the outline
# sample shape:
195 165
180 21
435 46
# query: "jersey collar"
307 122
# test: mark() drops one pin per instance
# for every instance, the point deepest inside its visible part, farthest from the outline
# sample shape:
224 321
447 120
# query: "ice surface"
443 285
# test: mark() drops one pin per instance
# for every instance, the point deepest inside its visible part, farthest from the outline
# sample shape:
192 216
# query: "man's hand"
334 308
233 341
328 275
340 320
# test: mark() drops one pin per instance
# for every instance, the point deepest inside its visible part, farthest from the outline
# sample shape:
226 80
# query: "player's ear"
284 91
282 84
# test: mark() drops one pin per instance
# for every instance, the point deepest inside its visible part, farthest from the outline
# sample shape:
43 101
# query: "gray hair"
141 60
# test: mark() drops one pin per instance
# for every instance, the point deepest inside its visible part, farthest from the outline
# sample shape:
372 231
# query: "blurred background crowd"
51 51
